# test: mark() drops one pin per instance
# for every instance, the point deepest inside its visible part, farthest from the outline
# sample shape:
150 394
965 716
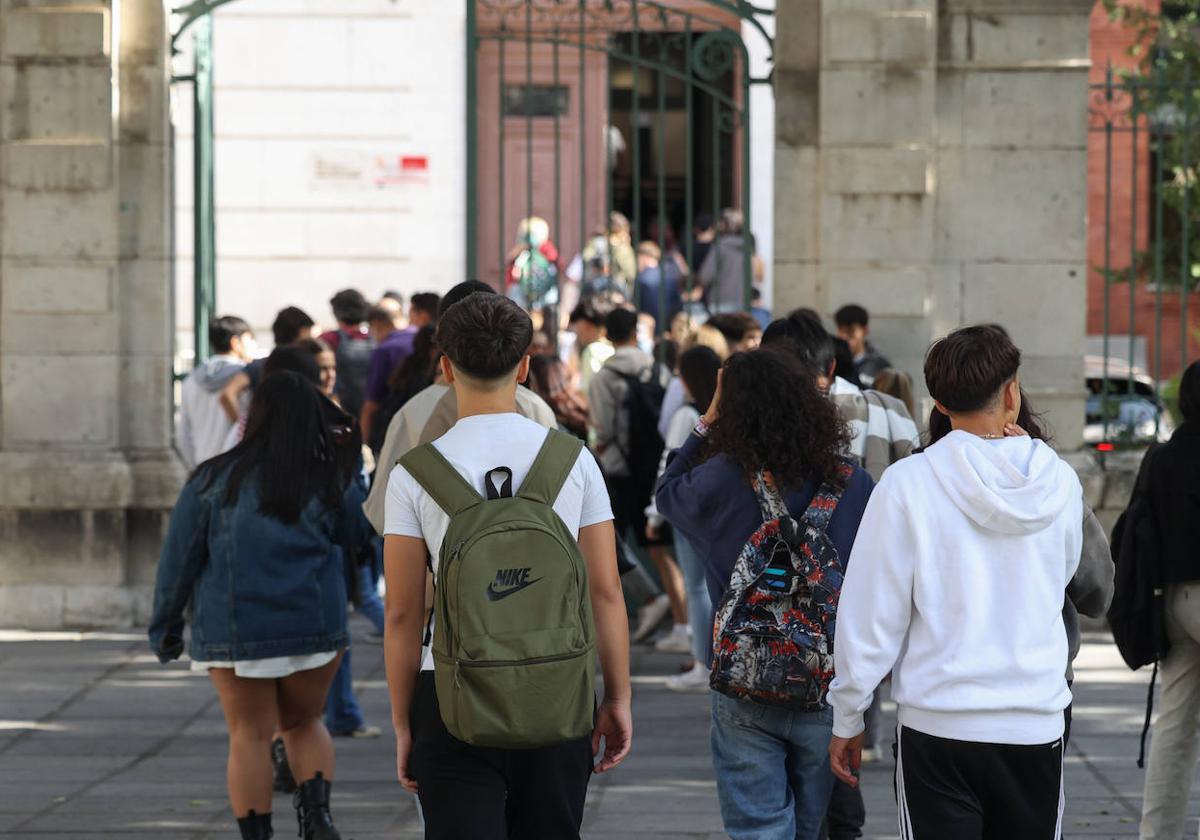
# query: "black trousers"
973 791
846 815
480 793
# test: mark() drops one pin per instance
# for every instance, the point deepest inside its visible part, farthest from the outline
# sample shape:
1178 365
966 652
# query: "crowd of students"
773 480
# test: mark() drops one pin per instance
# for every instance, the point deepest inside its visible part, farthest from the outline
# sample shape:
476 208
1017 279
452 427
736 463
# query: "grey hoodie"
606 396
1091 590
203 425
215 373
723 274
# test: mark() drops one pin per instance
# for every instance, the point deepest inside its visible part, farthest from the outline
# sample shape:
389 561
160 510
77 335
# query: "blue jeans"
370 604
698 602
773 776
342 712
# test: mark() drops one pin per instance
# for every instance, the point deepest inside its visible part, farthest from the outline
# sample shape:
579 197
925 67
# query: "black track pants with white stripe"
963 790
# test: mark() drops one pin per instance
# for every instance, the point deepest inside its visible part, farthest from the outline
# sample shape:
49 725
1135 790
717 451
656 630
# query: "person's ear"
523 370
447 369
1012 397
941 408
832 372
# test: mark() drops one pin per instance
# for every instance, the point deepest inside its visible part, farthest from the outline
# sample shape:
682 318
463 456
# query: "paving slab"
97 741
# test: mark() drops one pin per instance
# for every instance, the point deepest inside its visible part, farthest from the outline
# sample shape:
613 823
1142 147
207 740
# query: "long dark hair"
772 416
1027 418
298 445
698 368
547 378
416 371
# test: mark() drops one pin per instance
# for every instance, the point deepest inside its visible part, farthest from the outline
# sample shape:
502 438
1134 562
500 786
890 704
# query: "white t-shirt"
476 446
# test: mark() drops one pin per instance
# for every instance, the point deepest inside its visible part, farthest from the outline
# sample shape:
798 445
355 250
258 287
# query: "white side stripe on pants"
901 798
1062 791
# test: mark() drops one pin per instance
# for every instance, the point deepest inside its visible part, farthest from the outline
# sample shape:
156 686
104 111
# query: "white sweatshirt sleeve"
874 608
678 430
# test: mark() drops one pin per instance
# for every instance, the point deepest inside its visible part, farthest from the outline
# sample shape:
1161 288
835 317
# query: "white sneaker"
693 680
679 640
870 755
650 616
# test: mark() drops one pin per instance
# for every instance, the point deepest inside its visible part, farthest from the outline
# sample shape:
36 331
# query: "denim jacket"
258 587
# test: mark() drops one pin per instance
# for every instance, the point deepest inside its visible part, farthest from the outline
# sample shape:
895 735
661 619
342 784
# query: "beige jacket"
425 418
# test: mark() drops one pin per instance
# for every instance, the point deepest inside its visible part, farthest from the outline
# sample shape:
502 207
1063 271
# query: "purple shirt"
387 356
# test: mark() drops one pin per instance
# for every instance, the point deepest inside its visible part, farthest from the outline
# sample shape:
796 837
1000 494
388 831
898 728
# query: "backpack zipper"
505 663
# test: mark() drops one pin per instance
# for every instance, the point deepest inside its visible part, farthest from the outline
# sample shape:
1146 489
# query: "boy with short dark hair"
392 347
291 324
956 586
536 792
594 348
854 327
352 347
741 330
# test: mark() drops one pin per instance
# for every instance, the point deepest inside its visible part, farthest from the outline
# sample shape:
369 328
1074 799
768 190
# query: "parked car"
1127 398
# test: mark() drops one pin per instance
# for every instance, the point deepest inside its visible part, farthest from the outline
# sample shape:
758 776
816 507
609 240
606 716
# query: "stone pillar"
85 310
1011 242
930 165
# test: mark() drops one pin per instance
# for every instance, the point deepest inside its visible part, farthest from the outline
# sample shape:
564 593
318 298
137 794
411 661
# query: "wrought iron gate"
644 104
1144 250
578 110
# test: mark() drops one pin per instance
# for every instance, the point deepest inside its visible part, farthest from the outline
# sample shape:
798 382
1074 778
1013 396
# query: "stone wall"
85 310
931 165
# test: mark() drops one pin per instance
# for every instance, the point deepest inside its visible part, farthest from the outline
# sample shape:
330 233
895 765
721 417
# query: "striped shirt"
882 432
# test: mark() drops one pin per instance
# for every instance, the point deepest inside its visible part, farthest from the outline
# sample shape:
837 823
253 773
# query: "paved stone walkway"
99 741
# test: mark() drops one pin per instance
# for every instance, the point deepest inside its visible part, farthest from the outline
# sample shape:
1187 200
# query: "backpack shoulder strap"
440 479
551 467
821 508
770 500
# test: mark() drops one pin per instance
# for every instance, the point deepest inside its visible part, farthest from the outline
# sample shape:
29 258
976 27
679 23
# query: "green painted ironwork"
192 12
1145 120
678 71
204 256
197 17
470 199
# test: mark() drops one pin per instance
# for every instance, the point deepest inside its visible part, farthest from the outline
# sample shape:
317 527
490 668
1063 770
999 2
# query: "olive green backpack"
513 643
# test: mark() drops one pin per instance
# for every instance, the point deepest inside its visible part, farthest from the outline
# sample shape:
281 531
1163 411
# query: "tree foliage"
1164 89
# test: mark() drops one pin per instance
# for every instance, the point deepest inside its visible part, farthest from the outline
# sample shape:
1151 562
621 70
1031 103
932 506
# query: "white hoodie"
956 586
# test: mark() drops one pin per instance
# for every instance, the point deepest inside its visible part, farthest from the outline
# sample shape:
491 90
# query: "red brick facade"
1127 206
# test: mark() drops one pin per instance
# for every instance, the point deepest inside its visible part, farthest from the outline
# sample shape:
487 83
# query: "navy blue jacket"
715 507
258 587
658 285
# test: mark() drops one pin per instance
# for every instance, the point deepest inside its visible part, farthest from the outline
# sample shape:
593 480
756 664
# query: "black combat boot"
312 810
285 782
256 826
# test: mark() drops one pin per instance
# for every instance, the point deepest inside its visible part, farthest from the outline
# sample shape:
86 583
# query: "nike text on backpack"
513 644
773 633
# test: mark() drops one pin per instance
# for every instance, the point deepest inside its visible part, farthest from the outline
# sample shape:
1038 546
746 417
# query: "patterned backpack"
773 633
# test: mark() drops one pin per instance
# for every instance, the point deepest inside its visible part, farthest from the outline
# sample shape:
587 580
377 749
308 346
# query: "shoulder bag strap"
440 479
770 500
821 508
551 467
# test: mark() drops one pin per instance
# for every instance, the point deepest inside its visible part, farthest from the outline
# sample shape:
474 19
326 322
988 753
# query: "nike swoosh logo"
493 595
